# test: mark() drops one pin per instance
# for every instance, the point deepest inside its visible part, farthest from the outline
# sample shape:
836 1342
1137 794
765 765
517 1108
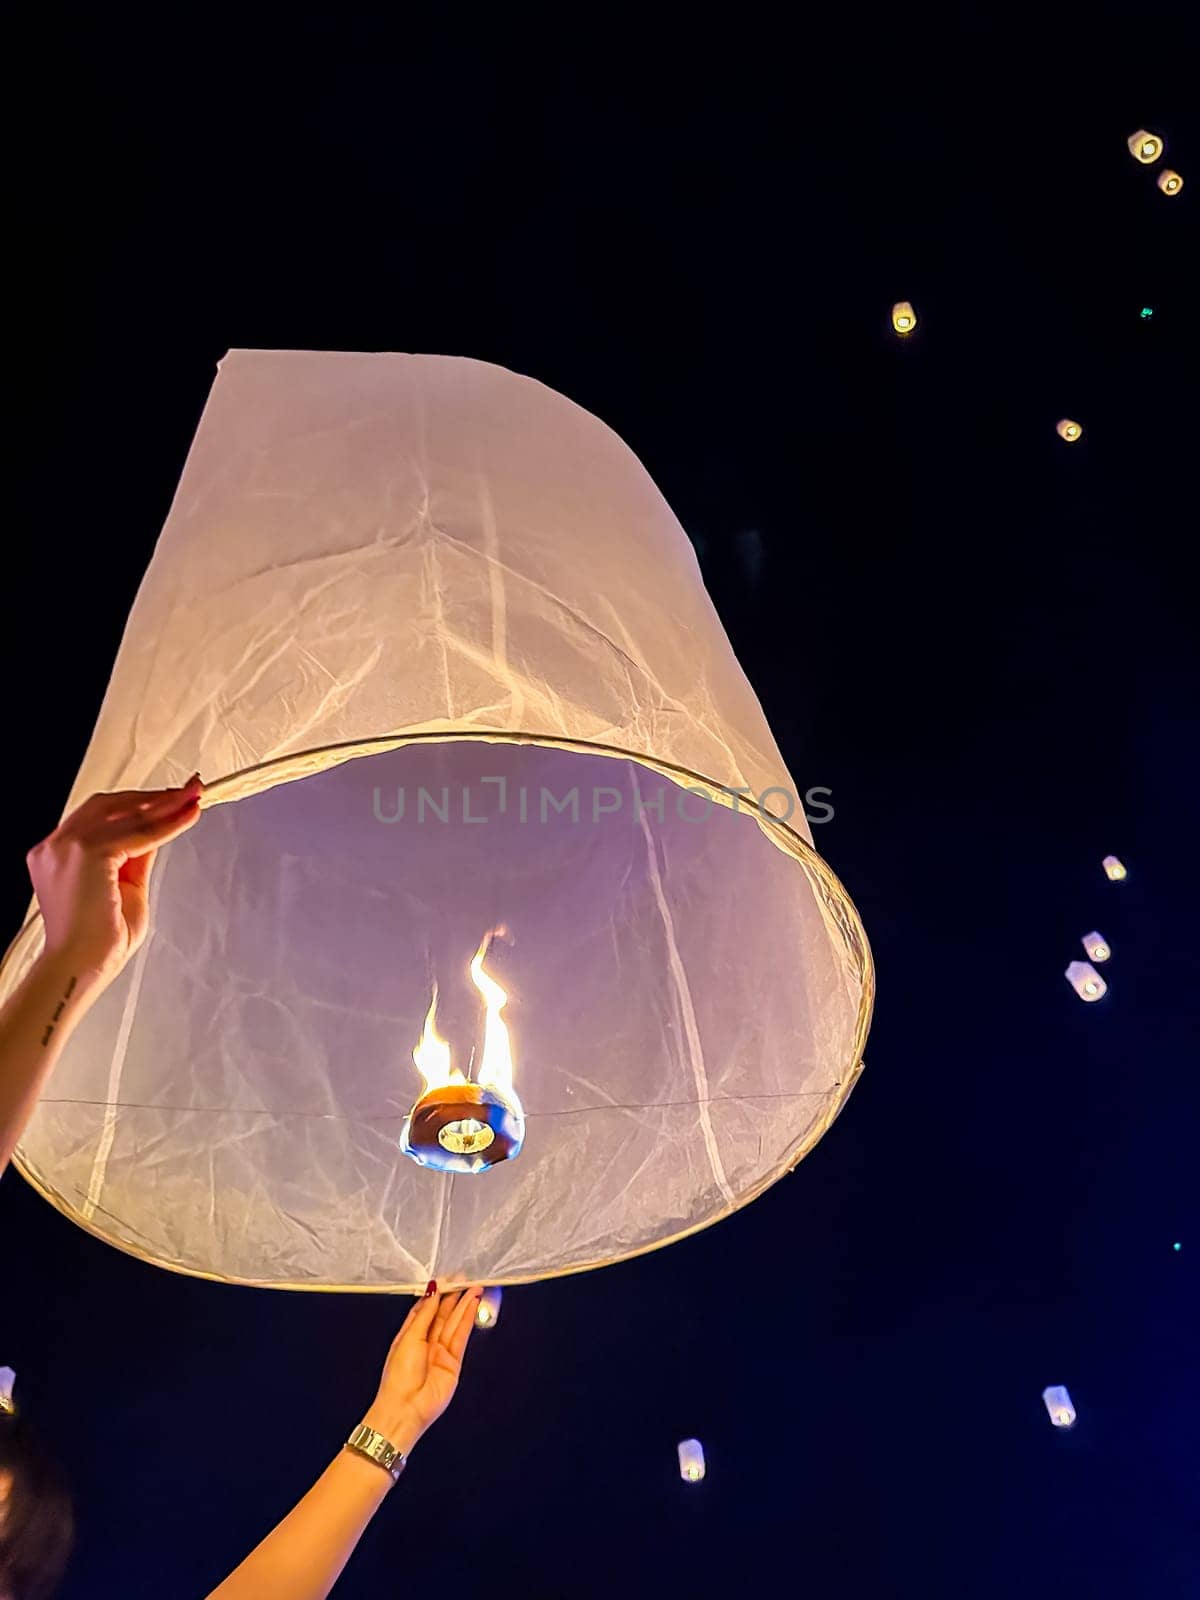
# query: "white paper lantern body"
399 601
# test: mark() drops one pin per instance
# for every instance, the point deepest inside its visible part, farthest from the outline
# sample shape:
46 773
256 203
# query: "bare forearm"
302 1557
35 1023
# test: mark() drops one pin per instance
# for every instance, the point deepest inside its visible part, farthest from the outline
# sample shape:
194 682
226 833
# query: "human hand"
423 1365
91 875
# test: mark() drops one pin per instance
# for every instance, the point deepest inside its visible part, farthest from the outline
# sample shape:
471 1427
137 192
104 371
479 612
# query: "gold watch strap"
377 1449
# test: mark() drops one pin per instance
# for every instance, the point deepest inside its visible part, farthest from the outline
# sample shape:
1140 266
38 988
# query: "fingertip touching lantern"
1058 1404
1096 946
691 1460
487 1312
904 318
1085 980
1068 430
1169 182
500 949
1114 869
1144 147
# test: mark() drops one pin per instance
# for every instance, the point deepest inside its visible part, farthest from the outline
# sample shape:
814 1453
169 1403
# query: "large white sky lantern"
501 949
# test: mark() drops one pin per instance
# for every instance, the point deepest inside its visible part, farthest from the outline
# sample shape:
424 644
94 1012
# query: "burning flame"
432 1055
496 1068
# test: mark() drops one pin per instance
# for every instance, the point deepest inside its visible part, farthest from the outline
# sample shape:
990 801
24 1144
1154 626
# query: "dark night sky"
980 639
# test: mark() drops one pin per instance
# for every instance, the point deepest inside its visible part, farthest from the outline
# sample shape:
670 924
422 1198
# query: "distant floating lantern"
691 1460
1169 182
8 1379
1058 1404
1096 946
1145 147
904 318
1086 981
1068 430
487 1313
1113 868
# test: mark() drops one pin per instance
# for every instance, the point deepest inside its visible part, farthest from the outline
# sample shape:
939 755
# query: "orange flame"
496 1068
432 1055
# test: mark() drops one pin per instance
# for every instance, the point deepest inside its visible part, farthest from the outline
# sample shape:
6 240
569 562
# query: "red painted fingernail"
431 1287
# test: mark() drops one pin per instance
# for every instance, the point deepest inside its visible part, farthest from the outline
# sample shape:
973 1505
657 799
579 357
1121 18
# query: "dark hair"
37 1526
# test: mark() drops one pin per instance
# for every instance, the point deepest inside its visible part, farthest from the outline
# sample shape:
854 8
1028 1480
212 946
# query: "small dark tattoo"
58 1011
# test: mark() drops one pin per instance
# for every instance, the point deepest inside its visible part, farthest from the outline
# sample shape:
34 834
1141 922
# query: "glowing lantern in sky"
8 1379
501 949
691 1460
1113 868
904 318
1096 946
1058 1404
487 1312
1068 430
1144 147
1085 980
1169 182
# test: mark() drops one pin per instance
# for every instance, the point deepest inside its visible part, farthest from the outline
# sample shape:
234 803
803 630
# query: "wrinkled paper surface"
364 551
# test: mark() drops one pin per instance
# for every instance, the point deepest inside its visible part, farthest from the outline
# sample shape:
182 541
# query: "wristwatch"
377 1449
